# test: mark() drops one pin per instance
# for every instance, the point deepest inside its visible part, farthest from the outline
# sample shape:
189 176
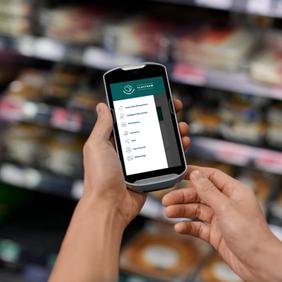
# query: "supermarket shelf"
34 179
270 8
13 109
238 154
99 58
54 50
37 180
237 81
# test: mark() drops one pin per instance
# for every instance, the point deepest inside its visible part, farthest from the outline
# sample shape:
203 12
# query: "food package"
63 82
204 121
266 66
274 125
242 120
213 45
28 85
160 253
81 24
216 270
63 155
16 8
142 36
23 143
14 26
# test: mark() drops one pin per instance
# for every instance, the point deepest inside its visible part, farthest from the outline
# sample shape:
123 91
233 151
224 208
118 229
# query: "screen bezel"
148 71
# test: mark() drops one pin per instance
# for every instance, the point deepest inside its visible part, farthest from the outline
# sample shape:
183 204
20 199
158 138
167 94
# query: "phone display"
145 124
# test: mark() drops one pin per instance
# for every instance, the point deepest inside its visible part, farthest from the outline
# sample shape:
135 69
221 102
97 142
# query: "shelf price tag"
269 161
262 7
189 74
62 118
219 4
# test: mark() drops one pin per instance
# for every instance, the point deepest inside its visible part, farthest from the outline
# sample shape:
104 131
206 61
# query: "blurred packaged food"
23 142
77 24
243 119
216 270
160 253
267 65
215 45
274 129
63 154
28 85
14 17
140 35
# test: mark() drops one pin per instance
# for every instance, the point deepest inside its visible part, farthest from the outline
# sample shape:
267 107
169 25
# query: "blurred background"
224 59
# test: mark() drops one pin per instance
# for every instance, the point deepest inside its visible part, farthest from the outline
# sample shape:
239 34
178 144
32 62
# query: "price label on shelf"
269 161
219 4
189 74
262 7
65 119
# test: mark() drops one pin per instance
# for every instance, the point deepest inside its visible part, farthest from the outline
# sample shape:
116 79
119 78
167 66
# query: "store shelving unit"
270 8
96 57
238 154
99 58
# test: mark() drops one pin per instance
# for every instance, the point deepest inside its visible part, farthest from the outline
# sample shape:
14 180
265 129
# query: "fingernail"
196 175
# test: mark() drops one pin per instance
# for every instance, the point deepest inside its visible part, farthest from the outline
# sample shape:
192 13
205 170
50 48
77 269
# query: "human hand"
229 218
104 182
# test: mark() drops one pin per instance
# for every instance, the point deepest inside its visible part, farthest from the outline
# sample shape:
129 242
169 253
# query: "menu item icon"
128 150
130 158
123 124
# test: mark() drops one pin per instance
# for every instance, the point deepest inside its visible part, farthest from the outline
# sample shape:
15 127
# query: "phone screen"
146 127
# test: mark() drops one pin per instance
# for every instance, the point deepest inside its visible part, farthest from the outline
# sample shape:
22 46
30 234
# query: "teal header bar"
138 88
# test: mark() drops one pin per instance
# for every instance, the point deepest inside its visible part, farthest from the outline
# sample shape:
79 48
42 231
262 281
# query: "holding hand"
103 180
230 219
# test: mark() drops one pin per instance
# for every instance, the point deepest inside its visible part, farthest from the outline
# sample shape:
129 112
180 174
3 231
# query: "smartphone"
146 132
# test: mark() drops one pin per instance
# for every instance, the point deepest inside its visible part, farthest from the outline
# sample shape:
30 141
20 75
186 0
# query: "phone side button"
171 106
113 115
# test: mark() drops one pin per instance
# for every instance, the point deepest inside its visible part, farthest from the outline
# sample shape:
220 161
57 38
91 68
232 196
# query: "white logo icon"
128 89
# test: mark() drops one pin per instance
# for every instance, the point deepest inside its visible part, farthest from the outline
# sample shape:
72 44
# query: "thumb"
207 191
104 123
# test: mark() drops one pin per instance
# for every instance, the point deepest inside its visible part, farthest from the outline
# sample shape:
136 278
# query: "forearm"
90 250
268 261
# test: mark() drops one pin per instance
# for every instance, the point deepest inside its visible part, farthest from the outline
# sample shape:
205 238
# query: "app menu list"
140 135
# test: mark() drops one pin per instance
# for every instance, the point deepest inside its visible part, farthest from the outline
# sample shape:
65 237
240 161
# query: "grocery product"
23 142
216 270
63 154
214 45
140 35
28 85
160 253
274 128
78 24
242 120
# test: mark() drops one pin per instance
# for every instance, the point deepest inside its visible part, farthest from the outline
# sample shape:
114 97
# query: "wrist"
103 210
269 257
